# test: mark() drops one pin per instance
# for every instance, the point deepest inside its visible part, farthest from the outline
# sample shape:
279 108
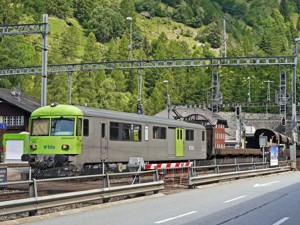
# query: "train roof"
74 110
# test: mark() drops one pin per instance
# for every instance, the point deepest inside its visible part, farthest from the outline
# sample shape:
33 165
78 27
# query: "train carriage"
64 135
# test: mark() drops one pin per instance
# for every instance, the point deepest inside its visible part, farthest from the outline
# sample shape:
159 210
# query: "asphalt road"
269 200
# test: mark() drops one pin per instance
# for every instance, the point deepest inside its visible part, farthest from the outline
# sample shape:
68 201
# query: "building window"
189 135
13 120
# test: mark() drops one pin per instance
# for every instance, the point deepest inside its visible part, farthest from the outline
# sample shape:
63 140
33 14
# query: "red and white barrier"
168 165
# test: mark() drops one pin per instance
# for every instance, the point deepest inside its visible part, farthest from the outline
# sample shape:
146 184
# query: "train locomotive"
89 139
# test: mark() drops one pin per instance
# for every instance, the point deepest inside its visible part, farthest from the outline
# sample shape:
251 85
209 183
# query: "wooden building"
15 110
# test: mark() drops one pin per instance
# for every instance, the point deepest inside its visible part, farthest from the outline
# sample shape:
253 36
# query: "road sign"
3 126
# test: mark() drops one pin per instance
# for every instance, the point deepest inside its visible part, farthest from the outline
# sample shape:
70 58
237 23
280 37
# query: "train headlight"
65 147
33 147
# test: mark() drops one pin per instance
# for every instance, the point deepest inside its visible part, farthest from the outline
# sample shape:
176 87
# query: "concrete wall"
257 120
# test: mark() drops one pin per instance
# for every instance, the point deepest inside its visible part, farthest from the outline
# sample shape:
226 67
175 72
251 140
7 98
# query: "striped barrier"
168 165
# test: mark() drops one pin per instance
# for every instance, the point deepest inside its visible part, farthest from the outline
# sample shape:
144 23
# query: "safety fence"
33 195
204 179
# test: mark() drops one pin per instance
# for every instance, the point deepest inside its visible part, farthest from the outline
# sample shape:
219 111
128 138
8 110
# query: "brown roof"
19 100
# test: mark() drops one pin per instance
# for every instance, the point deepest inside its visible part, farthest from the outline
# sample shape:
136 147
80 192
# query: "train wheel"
119 168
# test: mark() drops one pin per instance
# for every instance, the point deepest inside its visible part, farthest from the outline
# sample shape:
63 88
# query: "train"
91 140
96 140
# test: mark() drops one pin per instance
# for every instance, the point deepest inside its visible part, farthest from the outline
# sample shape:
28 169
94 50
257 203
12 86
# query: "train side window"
85 127
189 135
125 132
114 131
103 130
79 127
159 133
203 135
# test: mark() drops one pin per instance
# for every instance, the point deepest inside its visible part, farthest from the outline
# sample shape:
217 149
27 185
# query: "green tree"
106 23
60 8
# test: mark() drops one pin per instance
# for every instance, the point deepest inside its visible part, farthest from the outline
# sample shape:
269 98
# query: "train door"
171 142
179 146
103 141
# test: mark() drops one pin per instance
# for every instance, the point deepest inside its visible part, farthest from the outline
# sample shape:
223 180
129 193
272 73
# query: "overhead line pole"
39 28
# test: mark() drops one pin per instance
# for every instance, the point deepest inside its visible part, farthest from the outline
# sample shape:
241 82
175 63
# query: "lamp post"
249 91
168 98
294 114
130 43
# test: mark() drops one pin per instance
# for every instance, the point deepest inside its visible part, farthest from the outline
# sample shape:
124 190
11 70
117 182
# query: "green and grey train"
85 139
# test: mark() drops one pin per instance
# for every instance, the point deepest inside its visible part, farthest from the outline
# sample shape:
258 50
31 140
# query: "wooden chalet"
15 110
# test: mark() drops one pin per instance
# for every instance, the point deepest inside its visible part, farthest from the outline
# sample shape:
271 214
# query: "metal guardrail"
35 202
203 179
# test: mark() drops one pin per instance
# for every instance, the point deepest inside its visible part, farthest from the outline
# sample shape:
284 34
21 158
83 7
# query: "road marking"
266 184
176 217
281 221
234 199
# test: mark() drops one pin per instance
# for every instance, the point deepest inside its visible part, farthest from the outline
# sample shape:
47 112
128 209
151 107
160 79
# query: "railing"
232 171
37 201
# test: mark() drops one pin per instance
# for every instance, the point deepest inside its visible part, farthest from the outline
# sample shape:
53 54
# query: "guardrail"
35 202
204 179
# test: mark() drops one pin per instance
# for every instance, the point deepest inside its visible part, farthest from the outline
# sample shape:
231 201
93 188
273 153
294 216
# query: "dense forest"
99 31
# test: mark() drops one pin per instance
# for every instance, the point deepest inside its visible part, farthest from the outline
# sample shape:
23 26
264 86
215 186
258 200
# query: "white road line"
281 221
176 217
266 184
234 199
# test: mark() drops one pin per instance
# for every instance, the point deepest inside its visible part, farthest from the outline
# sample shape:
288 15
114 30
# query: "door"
179 145
103 141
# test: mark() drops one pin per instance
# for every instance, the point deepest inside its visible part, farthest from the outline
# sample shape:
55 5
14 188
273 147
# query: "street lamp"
168 98
249 91
130 43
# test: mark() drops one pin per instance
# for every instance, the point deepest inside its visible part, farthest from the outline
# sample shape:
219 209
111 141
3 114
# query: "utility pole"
44 61
268 94
168 98
224 38
130 42
294 113
249 91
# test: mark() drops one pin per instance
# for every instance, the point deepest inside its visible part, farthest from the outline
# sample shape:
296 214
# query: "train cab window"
62 126
40 127
189 135
79 127
159 133
85 127
203 135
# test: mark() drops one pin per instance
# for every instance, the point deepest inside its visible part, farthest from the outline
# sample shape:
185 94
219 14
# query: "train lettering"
49 147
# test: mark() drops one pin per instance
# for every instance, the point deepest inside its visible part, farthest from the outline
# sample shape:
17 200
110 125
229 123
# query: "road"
269 200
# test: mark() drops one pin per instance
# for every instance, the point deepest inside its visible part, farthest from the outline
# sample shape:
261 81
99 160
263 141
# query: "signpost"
263 140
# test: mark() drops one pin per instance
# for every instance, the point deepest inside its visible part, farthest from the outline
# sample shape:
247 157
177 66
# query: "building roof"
197 113
16 98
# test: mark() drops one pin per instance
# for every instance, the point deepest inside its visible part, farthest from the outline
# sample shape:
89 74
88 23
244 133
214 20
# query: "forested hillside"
99 31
